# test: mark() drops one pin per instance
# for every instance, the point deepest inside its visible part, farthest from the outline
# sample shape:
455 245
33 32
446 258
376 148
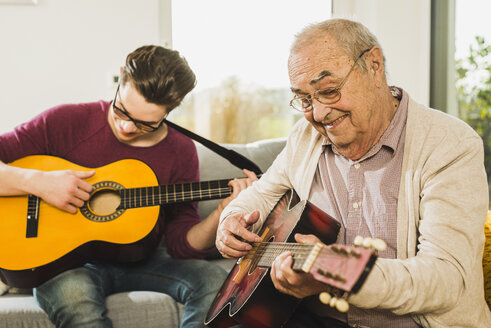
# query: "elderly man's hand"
233 237
297 284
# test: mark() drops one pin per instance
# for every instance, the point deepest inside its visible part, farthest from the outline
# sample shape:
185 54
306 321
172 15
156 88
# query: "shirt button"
357 166
355 205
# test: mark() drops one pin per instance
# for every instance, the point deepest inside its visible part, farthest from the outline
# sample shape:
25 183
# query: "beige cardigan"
442 205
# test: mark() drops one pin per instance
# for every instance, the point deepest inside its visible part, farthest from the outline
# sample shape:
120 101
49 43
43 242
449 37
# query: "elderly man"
385 167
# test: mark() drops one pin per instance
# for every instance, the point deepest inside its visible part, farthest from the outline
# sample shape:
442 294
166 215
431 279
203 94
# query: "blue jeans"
76 298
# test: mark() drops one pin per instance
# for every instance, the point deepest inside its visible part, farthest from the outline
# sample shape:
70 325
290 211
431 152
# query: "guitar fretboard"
267 252
172 194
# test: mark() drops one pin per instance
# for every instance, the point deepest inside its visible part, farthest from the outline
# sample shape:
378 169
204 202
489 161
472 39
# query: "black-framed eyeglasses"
325 96
141 125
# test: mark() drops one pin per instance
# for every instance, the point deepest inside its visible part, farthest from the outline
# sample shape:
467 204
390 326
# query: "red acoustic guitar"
248 296
118 222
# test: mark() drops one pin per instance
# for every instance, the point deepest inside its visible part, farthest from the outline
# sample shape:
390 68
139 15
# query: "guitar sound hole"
104 202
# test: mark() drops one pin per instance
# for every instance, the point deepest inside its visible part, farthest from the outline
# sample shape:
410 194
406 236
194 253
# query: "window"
473 62
239 52
471 20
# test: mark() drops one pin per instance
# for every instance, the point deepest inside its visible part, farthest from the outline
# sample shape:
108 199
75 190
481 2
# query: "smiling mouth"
336 122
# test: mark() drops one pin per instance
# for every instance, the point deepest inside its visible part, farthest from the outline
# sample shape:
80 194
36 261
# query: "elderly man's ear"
375 64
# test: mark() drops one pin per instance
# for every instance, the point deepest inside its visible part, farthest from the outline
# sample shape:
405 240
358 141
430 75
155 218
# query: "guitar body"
248 295
31 253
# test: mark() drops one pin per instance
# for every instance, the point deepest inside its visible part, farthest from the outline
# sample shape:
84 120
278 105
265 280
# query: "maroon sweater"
81 134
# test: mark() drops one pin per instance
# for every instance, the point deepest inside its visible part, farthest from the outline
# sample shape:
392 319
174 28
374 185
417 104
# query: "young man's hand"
66 190
237 186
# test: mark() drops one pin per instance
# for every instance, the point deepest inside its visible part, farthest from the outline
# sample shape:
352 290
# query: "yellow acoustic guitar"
118 222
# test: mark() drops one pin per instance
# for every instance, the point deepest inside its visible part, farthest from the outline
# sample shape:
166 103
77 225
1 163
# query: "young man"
153 82
384 167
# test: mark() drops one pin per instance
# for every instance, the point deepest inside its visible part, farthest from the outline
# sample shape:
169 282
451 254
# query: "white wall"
403 30
60 51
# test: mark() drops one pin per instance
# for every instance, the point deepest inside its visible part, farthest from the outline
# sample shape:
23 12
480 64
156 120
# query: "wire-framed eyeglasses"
141 125
325 96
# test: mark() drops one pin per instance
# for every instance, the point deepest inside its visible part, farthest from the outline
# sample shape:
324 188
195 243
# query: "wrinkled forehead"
322 43
315 61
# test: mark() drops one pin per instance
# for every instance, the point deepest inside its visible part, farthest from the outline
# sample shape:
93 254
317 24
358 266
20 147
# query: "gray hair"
352 37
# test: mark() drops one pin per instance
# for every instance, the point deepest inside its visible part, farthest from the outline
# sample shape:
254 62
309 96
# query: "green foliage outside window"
474 94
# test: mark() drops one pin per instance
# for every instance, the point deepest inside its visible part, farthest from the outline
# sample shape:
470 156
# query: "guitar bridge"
32 216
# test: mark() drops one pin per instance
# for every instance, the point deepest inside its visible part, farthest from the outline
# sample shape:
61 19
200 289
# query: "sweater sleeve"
52 132
29 138
265 193
446 185
292 169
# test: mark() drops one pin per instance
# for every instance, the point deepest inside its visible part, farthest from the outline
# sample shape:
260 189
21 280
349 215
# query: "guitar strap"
232 156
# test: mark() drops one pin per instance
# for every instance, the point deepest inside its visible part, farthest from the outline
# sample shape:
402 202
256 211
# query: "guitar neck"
267 252
176 193
339 266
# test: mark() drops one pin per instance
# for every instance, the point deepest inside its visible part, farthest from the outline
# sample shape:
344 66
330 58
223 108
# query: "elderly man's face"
355 121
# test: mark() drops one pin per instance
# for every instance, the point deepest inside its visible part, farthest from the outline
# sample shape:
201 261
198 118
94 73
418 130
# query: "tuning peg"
367 242
325 297
342 305
339 303
379 244
333 301
358 241
363 242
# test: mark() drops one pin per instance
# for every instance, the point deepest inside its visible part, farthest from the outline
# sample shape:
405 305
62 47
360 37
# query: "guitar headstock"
342 267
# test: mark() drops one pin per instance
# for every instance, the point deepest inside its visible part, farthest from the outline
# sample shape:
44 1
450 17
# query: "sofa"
142 308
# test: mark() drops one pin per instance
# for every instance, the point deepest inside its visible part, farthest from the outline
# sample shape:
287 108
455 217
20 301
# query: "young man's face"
133 119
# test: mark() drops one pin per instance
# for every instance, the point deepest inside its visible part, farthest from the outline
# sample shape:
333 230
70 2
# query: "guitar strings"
222 191
158 196
265 253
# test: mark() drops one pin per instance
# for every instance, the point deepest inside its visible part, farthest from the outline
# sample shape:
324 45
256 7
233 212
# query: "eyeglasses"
325 96
141 125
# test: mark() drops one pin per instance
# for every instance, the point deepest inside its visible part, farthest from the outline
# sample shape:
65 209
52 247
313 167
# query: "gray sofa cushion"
143 308
124 309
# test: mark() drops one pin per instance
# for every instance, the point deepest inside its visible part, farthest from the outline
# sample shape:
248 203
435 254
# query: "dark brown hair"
159 74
